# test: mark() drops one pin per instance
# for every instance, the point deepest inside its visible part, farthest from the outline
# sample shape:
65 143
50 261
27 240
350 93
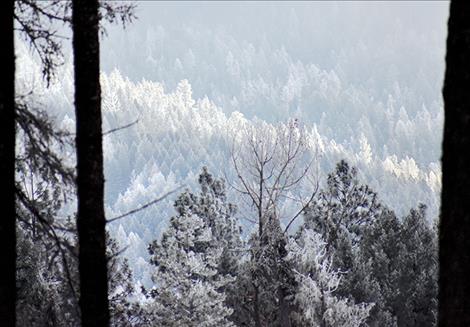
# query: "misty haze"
265 163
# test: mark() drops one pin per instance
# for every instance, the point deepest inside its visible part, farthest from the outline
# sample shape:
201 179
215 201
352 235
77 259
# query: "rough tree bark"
90 180
8 120
454 236
7 167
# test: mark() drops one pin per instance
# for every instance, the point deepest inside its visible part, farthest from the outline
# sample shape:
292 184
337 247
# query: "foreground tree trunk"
7 167
90 181
454 237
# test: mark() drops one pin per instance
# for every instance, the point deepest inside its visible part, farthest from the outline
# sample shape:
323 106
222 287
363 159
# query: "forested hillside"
176 135
298 173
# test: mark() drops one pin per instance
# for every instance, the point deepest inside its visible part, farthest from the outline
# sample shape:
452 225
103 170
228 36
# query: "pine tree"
39 199
400 264
124 312
343 208
418 272
378 260
196 259
341 213
266 283
212 207
38 289
383 260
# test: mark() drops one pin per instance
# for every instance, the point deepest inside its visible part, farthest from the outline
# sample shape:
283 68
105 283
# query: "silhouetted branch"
60 243
121 127
145 206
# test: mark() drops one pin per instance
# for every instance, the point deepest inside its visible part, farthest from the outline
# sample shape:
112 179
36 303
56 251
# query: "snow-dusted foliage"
187 285
398 270
178 133
196 259
372 247
318 282
270 96
341 212
371 69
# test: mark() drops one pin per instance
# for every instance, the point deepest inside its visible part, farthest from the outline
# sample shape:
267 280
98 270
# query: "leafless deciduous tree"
275 168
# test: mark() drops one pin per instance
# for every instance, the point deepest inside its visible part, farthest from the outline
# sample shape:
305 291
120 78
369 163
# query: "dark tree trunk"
7 167
286 285
256 313
90 180
284 308
454 234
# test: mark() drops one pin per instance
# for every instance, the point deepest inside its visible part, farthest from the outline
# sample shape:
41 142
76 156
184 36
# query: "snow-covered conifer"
317 299
195 259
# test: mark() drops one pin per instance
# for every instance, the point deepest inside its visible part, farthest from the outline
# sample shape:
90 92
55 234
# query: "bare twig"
305 206
145 206
121 127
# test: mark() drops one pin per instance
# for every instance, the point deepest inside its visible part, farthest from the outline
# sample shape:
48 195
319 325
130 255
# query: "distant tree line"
351 262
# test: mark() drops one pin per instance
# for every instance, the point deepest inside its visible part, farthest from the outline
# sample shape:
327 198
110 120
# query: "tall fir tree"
39 159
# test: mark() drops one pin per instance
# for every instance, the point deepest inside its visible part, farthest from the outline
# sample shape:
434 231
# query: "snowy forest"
233 164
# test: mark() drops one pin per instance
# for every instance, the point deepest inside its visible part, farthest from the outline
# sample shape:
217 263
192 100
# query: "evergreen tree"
196 259
39 288
417 281
399 262
212 207
343 208
317 298
383 260
266 283
374 276
124 311
340 214
47 178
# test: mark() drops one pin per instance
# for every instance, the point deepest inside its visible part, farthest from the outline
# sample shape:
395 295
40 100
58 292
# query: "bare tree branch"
121 127
145 206
270 165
